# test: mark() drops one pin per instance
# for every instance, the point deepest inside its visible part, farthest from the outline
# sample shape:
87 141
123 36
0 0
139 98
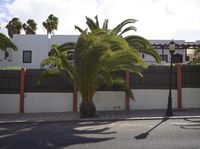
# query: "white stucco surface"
47 102
9 103
107 100
152 99
191 97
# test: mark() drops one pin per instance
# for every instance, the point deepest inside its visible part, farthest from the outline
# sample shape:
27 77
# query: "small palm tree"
97 56
30 27
51 24
14 27
5 43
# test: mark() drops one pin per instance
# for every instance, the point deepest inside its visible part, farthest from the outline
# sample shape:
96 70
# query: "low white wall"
47 102
107 100
152 99
104 100
9 103
191 97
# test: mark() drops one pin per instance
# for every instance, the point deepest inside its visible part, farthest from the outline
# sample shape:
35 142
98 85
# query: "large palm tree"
98 55
51 24
139 43
14 27
30 26
5 43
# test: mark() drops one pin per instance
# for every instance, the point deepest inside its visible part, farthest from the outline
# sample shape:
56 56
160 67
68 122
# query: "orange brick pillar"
179 86
74 98
22 84
128 80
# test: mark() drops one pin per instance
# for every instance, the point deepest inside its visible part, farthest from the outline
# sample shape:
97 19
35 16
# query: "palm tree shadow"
57 135
194 124
145 134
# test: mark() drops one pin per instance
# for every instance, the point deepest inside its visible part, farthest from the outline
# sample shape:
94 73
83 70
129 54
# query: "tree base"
87 110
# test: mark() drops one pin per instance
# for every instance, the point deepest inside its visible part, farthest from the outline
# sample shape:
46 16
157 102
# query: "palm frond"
105 24
48 73
128 29
79 29
51 60
67 47
142 45
5 42
105 78
91 24
118 28
124 61
195 61
97 21
122 84
197 51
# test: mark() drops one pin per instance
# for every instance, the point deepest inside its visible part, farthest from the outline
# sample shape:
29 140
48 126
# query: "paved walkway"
103 116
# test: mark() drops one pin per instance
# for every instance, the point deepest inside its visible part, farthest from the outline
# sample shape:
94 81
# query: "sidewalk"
103 116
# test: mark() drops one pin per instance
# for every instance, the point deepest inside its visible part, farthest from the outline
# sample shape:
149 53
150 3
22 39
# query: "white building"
32 49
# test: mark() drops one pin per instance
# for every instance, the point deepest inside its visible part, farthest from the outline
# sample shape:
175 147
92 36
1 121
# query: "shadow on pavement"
52 135
193 124
145 134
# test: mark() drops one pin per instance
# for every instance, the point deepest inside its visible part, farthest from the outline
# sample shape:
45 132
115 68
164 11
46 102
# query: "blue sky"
157 19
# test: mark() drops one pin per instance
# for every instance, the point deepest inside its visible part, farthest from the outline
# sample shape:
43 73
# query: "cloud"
157 19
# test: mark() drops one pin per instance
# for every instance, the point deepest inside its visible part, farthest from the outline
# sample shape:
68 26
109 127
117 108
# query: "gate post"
22 84
179 86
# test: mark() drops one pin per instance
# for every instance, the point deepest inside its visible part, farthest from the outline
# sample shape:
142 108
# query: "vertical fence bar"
128 80
74 98
179 86
22 83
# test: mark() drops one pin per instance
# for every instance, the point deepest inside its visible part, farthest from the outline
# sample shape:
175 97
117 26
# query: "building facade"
32 49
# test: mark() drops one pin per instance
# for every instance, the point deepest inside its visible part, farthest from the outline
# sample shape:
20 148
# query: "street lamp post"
169 111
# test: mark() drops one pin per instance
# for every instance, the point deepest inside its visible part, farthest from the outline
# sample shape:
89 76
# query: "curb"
98 120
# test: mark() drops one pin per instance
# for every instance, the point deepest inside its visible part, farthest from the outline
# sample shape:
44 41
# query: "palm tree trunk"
87 109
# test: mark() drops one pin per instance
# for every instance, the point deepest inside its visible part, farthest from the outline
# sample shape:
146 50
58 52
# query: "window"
164 57
177 58
9 57
143 56
27 56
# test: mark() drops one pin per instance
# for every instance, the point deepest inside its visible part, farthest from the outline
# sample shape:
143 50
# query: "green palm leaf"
142 45
119 27
5 43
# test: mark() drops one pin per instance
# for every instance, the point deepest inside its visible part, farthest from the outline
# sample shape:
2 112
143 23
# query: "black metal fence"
9 81
191 76
51 84
155 77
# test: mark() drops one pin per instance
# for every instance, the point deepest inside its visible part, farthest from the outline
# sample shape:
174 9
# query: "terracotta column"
179 86
22 84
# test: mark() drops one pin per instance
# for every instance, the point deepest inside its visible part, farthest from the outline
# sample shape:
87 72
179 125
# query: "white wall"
41 44
3 61
48 102
152 99
9 103
38 44
60 39
107 100
104 100
191 97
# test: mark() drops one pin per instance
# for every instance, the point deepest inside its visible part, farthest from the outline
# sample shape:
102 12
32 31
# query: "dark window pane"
27 56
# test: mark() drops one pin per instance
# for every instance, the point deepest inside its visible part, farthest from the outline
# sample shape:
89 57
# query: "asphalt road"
139 134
